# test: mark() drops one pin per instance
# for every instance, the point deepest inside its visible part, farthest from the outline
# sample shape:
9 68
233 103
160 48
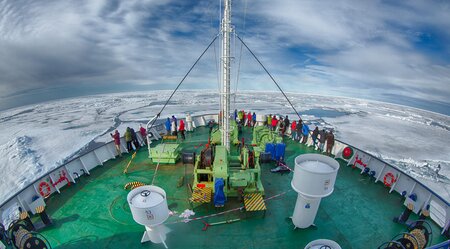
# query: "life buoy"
389 179
347 153
44 189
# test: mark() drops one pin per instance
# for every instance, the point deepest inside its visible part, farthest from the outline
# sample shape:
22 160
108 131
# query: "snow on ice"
35 139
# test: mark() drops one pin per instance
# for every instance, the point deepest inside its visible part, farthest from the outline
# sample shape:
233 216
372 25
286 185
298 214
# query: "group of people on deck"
130 138
300 131
245 119
175 127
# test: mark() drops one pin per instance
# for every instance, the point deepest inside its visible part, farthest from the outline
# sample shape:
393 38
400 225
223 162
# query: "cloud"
372 45
69 42
328 47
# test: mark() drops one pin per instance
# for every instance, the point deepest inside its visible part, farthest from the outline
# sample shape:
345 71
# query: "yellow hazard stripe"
254 202
133 185
201 195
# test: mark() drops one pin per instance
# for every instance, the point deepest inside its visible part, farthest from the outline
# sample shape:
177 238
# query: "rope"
227 211
287 167
157 165
269 75
185 76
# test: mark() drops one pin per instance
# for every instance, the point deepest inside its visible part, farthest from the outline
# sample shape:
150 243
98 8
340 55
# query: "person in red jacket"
274 122
116 138
143 132
249 119
294 130
181 129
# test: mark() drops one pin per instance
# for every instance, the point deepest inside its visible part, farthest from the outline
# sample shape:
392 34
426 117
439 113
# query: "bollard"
44 217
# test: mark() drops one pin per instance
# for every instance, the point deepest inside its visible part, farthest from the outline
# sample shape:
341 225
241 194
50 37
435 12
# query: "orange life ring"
389 179
44 186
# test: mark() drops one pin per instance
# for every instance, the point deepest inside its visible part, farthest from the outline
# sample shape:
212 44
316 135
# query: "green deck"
94 213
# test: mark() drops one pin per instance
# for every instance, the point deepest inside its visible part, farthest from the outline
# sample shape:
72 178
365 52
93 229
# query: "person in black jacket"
299 130
322 137
330 142
134 139
314 135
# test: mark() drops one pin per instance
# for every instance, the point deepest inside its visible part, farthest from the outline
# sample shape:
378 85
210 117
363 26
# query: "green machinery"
216 134
239 167
225 158
168 151
261 136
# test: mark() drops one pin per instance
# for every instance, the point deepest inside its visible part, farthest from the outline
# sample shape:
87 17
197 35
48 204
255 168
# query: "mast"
225 66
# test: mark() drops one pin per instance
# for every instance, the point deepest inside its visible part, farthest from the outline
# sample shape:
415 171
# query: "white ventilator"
322 243
260 119
314 178
189 123
148 205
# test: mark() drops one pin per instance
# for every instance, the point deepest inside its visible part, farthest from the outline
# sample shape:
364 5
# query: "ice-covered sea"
37 138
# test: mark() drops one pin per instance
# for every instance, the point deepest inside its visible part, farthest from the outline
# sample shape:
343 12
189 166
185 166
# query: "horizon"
439 108
395 52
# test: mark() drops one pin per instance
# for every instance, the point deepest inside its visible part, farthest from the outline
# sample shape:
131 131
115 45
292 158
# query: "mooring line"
227 211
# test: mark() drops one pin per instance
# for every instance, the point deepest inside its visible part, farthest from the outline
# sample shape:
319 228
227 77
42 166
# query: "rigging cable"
215 52
217 68
240 57
179 84
269 75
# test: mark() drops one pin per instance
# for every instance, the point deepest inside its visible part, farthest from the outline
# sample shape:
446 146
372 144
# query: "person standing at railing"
181 129
134 139
274 122
330 142
168 126
175 121
269 121
281 126
189 123
143 132
254 119
116 138
294 130
322 137
286 124
241 117
314 135
128 139
305 132
299 130
173 126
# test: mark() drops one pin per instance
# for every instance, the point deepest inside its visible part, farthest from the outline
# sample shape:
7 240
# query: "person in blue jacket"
305 132
168 126
254 119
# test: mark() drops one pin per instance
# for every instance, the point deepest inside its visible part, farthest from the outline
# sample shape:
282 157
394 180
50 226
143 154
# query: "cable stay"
179 84
274 81
240 58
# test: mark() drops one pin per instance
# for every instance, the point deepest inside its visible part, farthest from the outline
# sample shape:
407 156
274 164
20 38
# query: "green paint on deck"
94 213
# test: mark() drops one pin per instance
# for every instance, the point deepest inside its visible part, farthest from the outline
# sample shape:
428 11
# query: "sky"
394 51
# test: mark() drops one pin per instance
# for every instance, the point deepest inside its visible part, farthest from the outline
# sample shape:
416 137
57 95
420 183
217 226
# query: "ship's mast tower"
225 65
